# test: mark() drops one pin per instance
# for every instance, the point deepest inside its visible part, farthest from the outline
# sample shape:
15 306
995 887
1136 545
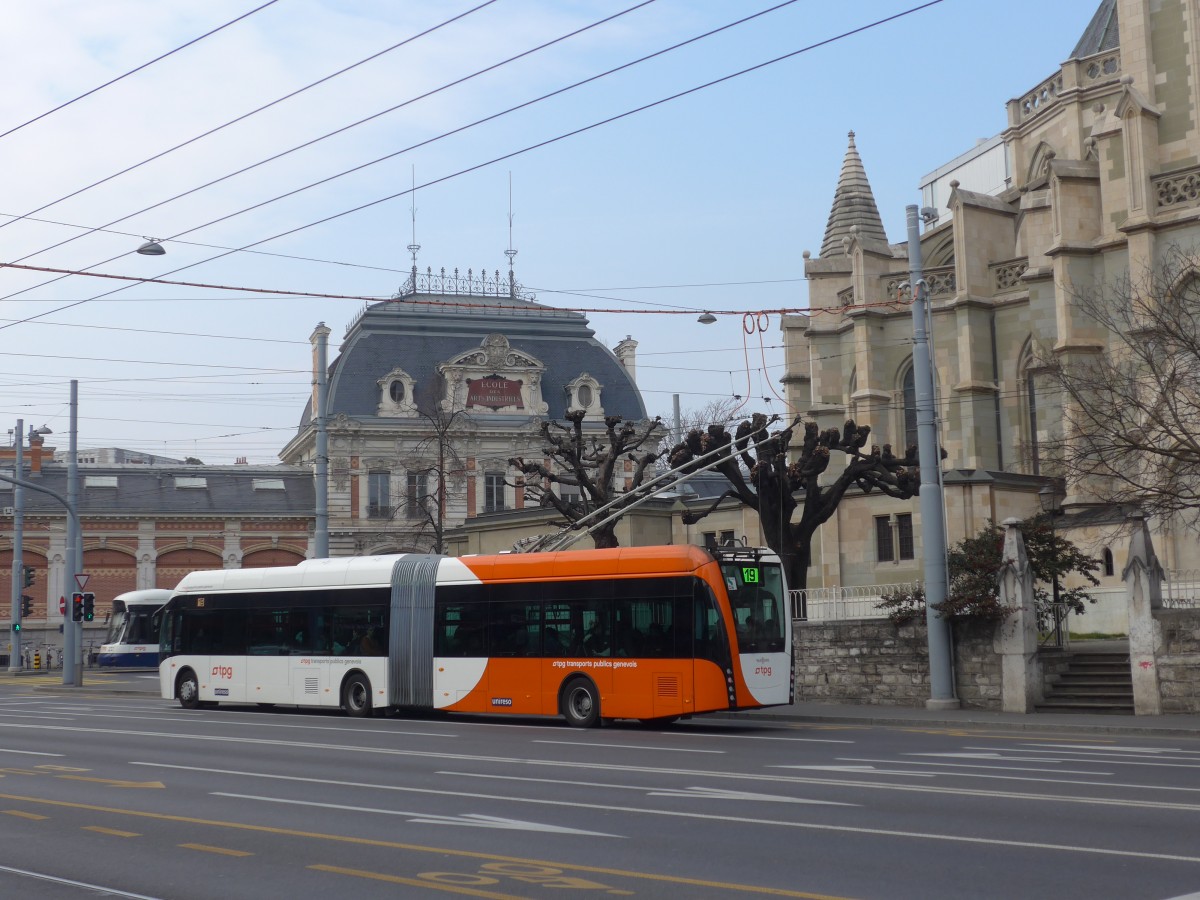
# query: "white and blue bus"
132 640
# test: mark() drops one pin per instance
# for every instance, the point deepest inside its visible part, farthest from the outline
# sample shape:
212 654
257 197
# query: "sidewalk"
123 682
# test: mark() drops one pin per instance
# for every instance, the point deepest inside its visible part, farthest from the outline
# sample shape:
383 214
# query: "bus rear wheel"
581 703
188 690
356 696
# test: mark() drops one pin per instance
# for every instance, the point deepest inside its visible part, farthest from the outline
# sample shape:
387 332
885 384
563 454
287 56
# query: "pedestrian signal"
89 606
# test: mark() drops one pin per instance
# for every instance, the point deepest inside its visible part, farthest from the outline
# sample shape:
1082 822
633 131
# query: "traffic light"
26 605
16 626
77 607
89 606
30 575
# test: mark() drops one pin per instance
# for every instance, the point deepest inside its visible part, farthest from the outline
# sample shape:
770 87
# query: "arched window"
1108 562
1031 411
909 391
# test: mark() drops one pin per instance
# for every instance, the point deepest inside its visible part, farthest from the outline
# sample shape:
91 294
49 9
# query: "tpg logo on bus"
763 667
225 672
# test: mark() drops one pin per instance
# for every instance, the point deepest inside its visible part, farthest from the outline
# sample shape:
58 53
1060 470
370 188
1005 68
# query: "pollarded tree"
1131 404
755 464
587 462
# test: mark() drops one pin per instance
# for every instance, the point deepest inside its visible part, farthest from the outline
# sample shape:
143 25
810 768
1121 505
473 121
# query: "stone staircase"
1096 680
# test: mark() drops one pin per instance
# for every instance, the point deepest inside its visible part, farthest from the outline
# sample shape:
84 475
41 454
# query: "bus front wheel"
581 703
356 696
189 690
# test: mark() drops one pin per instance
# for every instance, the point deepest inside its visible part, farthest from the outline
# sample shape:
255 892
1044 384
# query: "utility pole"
18 561
72 637
933 526
320 342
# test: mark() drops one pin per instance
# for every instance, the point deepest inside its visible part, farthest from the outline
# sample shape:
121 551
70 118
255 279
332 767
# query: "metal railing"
1181 589
832 604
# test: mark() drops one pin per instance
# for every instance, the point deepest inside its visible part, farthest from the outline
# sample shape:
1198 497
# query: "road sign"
62 606
82 580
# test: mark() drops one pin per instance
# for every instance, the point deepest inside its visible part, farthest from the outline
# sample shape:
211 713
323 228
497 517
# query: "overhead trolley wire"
538 145
240 118
134 71
327 135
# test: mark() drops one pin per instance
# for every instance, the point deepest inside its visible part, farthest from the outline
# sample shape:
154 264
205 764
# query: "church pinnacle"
853 208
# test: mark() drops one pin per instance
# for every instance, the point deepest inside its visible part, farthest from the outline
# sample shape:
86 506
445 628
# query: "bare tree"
431 464
716 412
1131 402
762 478
586 462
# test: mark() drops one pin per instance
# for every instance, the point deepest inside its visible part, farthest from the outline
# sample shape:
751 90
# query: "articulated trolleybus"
650 633
132 640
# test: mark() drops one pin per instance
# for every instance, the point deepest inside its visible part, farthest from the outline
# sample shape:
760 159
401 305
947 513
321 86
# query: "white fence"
1180 590
833 603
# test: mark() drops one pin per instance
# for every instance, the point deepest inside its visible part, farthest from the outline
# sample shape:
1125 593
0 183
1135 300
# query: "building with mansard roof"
1092 178
432 392
145 526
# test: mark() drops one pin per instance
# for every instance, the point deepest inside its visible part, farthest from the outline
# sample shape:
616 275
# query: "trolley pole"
933 526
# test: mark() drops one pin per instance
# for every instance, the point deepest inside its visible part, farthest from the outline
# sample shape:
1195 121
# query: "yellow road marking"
224 851
21 814
63 768
418 848
113 831
416 882
114 782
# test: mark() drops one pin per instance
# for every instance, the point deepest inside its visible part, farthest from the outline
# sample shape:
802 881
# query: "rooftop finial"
510 252
414 246
851 135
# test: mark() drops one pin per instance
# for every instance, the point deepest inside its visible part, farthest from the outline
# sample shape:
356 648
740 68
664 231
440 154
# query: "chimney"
626 352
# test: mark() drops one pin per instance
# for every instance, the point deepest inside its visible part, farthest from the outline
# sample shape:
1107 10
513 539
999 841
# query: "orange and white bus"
650 633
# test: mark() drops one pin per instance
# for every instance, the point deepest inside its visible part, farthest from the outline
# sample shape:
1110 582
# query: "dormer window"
584 393
396 395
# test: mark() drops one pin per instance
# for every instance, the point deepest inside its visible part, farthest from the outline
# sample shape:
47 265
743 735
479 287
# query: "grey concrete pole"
933 528
18 561
72 640
320 341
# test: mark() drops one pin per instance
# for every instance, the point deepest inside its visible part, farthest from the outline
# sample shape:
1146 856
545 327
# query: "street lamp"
151 248
1051 497
706 318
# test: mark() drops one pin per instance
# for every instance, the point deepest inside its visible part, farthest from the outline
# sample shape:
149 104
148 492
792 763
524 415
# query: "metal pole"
72 630
933 530
320 340
18 562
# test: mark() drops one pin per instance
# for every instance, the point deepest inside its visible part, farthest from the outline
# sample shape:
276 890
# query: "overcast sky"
703 202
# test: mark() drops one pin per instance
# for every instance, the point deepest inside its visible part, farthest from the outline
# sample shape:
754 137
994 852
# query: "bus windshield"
755 596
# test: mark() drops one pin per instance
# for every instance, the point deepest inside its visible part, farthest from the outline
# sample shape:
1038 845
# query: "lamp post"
1051 498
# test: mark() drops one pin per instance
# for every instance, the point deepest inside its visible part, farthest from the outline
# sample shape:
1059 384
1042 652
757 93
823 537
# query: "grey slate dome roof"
418 332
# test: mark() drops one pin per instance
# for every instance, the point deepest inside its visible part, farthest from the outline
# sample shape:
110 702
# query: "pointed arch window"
909 394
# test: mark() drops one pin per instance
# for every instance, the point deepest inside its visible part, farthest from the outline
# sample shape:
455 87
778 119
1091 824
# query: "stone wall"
1179 662
872 661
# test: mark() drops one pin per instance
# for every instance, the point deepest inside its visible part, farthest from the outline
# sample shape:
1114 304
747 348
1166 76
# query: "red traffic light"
77 607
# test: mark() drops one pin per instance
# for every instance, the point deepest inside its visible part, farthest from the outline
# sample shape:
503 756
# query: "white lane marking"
1109 747
882 832
624 747
9 715
474 820
96 888
703 793
1166 762
987 756
947 765
865 769
30 752
706 793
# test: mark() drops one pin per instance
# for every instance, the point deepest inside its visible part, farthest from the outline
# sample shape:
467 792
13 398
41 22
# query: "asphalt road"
134 796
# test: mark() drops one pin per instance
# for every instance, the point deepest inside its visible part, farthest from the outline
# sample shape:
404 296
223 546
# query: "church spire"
853 207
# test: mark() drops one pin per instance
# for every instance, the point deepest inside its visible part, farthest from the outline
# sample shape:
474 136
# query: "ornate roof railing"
470 284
